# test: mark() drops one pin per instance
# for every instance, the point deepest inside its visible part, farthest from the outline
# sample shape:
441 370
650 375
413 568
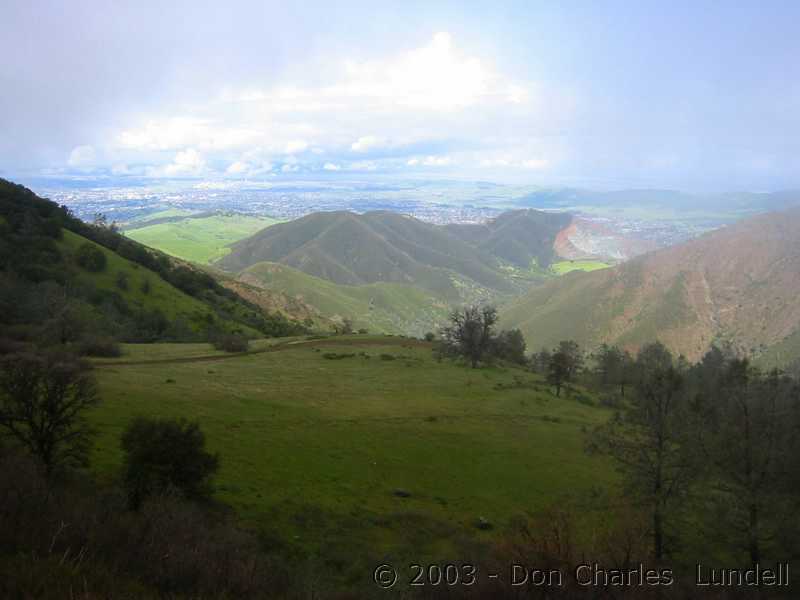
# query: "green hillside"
381 246
69 282
378 307
200 239
313 450
160 295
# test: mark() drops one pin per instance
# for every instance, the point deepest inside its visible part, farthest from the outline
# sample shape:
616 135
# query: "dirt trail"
276 348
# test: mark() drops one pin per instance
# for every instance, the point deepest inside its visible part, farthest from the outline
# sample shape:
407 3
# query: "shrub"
387 357
122 280
90 257
99 345
231 342
166 455
430 336
336 355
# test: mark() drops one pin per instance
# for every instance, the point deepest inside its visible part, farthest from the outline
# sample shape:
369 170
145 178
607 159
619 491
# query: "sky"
685 95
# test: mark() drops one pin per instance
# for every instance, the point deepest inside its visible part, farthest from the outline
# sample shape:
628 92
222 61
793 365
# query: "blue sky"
694 95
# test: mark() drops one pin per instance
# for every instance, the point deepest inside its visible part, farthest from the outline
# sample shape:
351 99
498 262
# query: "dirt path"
407 343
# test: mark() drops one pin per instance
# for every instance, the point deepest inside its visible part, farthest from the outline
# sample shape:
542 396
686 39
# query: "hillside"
65 281
517 237
378 307
737 283
352 249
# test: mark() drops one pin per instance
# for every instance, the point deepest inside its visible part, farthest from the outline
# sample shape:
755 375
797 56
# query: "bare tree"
42 404
470 332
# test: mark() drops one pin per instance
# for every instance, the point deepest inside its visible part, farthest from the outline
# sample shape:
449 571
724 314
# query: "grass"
313 451
202 239
565 266
161 295
377 307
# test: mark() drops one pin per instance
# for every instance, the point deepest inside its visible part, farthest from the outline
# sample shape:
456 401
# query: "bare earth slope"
739 283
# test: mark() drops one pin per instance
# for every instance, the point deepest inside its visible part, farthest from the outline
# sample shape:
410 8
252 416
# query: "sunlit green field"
201 240
565 266
313 450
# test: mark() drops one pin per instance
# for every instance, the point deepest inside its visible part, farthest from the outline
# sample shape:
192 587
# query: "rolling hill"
739 283
380 307
517 237
380 246
457 263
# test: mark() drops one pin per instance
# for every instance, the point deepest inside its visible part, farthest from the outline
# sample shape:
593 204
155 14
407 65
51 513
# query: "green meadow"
566 266
361 444
199 239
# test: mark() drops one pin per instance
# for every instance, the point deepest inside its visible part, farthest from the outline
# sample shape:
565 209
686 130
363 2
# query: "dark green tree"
565 363
43 401
651 440
90 257
470 333
163 455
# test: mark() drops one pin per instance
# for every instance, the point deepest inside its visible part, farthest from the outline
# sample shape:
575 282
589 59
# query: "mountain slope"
380 246
456 262
738 283
379 307
63 281
517 237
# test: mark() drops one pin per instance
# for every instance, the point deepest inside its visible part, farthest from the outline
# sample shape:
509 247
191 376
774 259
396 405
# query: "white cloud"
290 168
366 143
423 97
536 164
82 156
237 168
331 167
187 162
296 146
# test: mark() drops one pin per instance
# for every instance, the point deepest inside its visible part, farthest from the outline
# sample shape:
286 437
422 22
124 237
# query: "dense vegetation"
67 282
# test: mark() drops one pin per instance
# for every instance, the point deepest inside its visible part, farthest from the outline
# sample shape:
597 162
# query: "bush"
99 345
231 342
336 355
387 357
122 280
430 336
166 455
90 257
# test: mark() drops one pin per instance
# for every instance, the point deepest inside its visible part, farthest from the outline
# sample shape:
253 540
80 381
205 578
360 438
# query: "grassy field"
314 449
201 240
565 266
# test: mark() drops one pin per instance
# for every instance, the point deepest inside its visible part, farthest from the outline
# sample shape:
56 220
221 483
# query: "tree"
510 345
748 438
565 362
470 332
163 455
43 399
90 257
540 362
613 366
650 439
